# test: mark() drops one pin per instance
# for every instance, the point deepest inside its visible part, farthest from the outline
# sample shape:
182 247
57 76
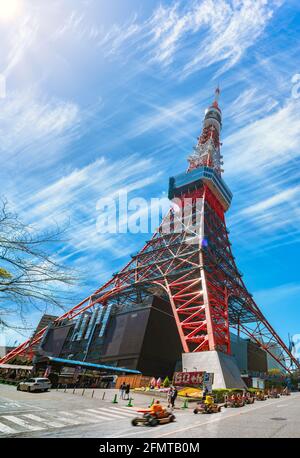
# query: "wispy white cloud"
30 123
20 39
266 143
261 159
252 103
278 295
195 35
73 198
271 202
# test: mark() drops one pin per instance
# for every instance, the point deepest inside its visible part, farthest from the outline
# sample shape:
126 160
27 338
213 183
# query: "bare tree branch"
30 275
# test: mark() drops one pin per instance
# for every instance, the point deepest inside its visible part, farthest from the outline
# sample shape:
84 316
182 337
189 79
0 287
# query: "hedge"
8 382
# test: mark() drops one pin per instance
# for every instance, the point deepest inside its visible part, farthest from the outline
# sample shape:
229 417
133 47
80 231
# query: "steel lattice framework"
189 262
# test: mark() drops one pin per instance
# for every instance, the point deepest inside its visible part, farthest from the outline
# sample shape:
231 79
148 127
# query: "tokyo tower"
189 262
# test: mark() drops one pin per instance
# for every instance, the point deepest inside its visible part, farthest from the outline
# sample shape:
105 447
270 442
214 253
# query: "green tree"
166 382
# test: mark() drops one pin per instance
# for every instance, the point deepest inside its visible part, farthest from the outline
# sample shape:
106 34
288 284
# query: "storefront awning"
15 366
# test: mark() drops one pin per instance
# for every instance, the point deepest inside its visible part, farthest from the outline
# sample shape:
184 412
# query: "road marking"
21 422
85 416
6 404
113 414
120 409
102 411
53 424
98 415
63 415
25 405
6 429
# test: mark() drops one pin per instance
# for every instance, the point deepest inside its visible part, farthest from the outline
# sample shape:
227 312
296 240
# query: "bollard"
93 393
103 396
130 403
83 391
65 390
74 390
185 404
115 400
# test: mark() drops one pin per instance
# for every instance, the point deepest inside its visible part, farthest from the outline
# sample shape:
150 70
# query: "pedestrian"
127 391
122 390
169 395
173 397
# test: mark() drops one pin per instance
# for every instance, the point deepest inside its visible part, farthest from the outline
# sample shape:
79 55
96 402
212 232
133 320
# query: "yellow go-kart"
207 406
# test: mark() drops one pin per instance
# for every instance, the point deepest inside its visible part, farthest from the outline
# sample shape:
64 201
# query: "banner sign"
208 381
188 378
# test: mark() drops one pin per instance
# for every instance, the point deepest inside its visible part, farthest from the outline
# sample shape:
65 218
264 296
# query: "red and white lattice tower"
189 262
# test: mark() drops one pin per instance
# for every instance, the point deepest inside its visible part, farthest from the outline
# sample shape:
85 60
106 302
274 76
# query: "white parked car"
34 384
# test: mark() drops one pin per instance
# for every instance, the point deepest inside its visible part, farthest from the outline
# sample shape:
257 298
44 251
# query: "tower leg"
223 366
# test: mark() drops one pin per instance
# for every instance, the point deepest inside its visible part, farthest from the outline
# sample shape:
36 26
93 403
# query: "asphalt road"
59 414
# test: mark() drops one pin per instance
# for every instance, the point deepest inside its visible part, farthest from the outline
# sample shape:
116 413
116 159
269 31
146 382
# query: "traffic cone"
115 400
185 404
151 404
130 403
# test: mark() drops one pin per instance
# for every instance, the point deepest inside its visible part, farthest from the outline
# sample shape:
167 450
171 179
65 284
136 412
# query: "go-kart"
260 396
273 394
153 419
247 398
207 408
234 400
285 392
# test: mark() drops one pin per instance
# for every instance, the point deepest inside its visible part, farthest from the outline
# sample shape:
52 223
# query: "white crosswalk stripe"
21 422
53 424
6 429
86 417
116 411
65 416
123 409
25 422
97 416
102 412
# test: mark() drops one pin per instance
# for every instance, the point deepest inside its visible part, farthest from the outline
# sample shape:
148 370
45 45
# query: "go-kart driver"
157 410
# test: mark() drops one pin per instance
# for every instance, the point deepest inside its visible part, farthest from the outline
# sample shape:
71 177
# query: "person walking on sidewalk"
173 396
169 395
122 390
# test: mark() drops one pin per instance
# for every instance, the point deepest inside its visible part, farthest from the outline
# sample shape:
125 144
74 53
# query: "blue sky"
106 95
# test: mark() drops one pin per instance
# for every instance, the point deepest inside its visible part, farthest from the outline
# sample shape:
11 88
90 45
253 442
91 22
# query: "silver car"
34 384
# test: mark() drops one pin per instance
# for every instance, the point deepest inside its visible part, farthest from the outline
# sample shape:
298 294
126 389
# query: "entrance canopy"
87 365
